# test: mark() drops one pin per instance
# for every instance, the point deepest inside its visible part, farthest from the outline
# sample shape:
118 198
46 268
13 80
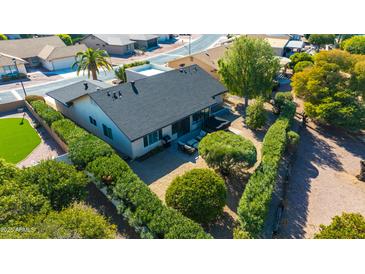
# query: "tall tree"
322 39
92 61
248 68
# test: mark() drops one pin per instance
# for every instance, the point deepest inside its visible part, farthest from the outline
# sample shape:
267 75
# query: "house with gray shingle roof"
133 117
120 44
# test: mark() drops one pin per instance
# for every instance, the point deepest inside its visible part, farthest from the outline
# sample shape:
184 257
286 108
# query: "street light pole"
21 82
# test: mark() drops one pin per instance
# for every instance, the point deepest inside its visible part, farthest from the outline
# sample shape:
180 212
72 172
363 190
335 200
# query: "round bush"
225 151
293 138
256 115
199 194
302 65
61 183
86 149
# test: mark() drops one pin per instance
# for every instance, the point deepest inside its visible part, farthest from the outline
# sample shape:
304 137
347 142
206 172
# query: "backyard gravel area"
323 182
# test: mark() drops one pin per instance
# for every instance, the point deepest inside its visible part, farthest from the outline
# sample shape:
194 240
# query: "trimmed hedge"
254 203
31 98
67 130
199 194
141 207
48 114
86 149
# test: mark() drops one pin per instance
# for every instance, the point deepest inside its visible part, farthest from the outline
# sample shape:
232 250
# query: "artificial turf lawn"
17 140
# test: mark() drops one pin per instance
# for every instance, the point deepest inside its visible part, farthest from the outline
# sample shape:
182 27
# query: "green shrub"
225 150
7 171
31 98
256 115
199 194
354 45
48 114
300 57
67 130
293 138
346 226
281 98
61 183
3 37
19 202
240 234
141 207
66 38
255 201
87 148
302 65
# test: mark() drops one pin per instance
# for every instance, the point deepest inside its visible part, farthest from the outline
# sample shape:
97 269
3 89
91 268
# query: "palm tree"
92 60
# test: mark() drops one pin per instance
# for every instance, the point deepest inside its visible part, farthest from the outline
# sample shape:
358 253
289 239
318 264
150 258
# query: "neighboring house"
144 41
133 117
164 37
143 71
114 44
13 36
120 44
39 51
7 65
293 47
208 59
56 58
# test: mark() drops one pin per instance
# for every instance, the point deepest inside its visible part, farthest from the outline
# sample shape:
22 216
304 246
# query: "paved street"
202 43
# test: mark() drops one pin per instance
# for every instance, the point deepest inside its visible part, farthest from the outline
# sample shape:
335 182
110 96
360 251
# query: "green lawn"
17 140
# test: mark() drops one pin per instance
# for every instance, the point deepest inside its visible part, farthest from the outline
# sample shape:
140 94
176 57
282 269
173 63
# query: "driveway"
323 182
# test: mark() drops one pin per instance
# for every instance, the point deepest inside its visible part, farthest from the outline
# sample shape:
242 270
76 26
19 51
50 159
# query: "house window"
152 138
107 131
200 115
92 120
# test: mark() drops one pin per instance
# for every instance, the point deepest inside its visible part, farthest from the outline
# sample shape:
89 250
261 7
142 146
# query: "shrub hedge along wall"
141 207
254 203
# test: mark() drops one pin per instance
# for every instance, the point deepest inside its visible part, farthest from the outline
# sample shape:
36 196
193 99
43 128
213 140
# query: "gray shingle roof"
67 94
50 53
158 101
30 47
115 39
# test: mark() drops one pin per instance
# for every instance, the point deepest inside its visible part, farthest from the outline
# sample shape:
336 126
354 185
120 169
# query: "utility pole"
21 82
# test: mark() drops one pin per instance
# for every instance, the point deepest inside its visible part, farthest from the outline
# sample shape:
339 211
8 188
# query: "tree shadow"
235 187
222 228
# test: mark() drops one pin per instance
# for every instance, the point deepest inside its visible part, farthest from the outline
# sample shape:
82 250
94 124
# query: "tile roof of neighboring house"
30 47
155 102
50 53
115 39
142 37
67 94
7 60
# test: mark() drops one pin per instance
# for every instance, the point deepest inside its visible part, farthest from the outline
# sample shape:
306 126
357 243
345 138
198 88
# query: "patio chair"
201 135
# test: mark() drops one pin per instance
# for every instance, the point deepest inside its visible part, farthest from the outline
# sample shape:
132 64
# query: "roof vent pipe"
86 86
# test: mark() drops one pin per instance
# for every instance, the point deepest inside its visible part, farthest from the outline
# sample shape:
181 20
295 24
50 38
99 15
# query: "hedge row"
48 114
141 207
255 201
67 130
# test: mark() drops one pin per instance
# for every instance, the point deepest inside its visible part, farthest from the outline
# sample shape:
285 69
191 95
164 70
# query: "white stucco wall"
58 64
84 107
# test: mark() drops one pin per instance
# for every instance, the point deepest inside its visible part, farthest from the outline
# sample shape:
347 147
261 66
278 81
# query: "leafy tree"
199 194
61 183
342 59
18 202
354 45
120 74
281 99
248 68
8 171
300 66
3 37
238 233
256 115
66 38
346 226
358 78
321 39
300 57
75 222
86 149
225 151
92 61
328 96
